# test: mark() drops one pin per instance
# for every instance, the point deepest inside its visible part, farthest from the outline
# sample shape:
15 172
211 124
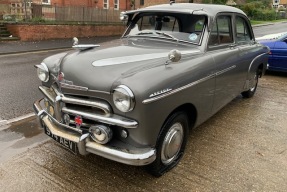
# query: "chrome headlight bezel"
43 72
123 98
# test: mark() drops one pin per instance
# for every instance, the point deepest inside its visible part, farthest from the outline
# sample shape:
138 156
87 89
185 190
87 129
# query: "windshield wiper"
145 33
167 35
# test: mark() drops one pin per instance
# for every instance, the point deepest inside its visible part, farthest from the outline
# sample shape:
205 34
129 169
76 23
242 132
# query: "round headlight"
43 72
124 98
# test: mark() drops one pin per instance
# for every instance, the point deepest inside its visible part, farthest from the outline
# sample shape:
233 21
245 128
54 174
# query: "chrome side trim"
111 119
146 101
178 89
225 70
66 99
254 60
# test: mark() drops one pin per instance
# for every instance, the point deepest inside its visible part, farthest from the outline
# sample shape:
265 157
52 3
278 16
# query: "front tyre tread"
159 166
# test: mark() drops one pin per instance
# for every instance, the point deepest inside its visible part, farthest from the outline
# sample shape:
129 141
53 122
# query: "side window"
221 32
243 33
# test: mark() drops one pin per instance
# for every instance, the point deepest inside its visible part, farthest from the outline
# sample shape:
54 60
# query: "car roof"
189 8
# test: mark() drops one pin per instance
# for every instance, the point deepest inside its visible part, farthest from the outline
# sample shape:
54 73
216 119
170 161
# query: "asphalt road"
19 83
269 29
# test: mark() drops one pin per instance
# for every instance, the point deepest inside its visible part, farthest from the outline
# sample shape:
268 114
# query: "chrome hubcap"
254 82
172 143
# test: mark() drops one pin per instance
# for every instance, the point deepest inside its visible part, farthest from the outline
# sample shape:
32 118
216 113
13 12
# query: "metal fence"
79 14
33 11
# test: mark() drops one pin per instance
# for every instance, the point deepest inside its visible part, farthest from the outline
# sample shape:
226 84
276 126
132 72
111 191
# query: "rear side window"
243 33
222 31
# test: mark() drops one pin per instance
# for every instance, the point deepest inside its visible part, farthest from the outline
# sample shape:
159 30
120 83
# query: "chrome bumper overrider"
121 153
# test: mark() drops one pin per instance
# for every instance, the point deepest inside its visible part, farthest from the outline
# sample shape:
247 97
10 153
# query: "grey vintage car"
135 99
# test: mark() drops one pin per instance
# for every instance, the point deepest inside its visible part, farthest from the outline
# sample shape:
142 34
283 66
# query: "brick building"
279 3
145 3
101 4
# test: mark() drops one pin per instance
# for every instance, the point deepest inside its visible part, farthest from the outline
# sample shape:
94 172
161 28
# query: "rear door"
226 56
249 50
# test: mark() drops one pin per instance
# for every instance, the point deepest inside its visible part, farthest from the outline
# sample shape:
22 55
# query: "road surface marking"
16 119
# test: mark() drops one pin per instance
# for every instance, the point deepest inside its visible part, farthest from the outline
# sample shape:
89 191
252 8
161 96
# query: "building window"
48 2
141 2
106 4
116 4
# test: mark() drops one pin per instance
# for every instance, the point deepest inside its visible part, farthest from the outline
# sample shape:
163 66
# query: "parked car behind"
134 100
278 51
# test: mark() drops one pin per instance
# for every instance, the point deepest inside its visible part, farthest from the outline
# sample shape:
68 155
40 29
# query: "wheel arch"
261 70
190 111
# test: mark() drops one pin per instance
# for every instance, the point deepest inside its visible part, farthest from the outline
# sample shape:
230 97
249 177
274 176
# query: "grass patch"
255 22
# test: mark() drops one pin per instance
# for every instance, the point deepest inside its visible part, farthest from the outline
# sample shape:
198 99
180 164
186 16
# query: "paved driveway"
242 148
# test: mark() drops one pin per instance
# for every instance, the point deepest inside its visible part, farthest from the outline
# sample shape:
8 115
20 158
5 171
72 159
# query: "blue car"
278 51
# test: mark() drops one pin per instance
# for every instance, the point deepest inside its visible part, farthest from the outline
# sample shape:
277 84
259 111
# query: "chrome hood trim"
134 58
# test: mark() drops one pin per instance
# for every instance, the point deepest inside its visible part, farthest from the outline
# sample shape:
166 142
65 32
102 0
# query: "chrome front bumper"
122 153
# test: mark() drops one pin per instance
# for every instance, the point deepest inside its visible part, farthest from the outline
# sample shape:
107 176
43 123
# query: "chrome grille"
92 110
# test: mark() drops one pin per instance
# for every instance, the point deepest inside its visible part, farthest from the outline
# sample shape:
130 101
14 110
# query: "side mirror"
123 16
75 41
174 55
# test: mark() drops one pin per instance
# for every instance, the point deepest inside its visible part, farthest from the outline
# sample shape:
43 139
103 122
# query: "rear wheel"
249 93
171 144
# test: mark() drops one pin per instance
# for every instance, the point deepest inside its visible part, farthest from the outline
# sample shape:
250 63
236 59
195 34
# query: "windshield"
177 27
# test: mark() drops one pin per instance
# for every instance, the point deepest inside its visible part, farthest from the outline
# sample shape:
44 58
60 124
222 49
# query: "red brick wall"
42 32
5 1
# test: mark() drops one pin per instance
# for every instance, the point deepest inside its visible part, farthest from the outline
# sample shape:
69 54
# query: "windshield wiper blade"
167 35
145 33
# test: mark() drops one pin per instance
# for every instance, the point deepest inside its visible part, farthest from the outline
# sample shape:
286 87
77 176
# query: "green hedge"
259 11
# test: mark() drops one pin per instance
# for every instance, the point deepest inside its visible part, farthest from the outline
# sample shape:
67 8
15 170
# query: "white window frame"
46 3
116 4
106 3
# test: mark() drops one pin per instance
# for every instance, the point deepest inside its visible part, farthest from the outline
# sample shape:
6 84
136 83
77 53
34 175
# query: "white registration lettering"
48 132
71 144
66 143
61 140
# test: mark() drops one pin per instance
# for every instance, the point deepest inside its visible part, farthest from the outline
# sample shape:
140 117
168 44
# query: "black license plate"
70 145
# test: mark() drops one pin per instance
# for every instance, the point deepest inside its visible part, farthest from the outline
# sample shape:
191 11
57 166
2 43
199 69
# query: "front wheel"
171 144
249 93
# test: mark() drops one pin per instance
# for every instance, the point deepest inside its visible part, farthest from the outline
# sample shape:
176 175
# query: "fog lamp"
101 134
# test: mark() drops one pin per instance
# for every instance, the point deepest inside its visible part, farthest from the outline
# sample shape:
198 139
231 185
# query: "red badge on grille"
61 76
78 121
